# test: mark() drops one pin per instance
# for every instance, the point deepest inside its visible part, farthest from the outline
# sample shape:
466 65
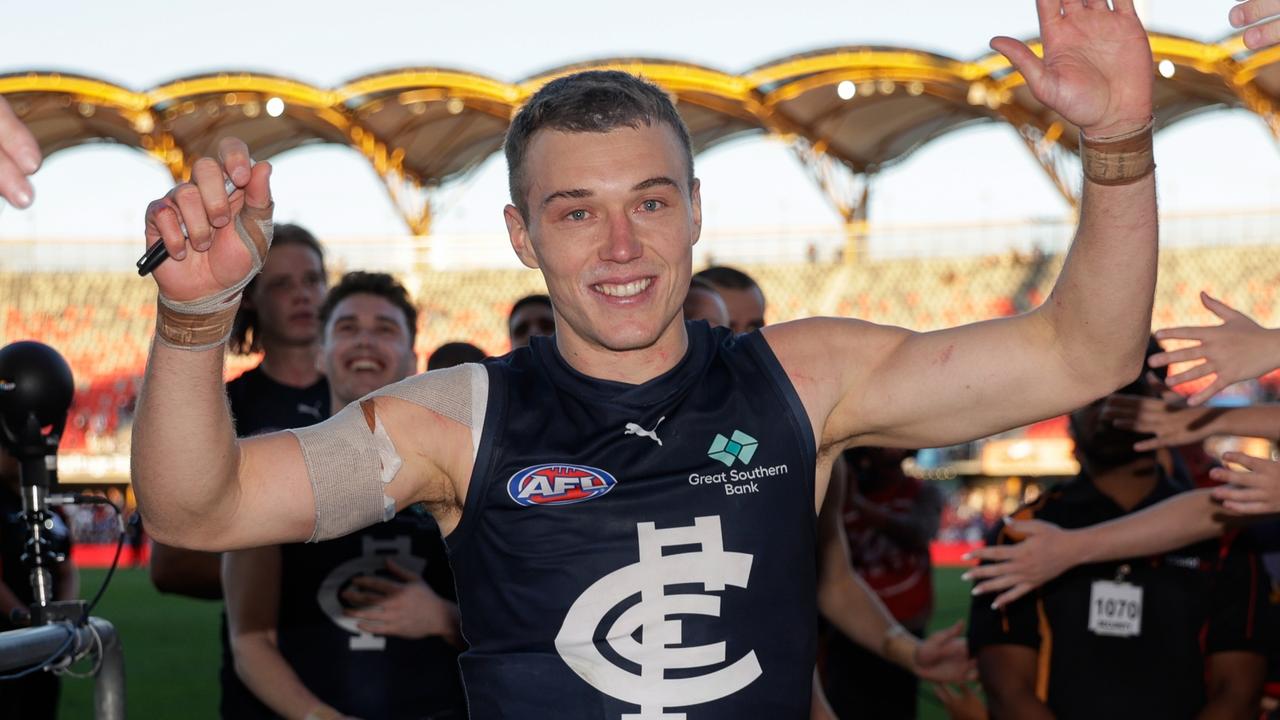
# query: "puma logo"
634 429
313 411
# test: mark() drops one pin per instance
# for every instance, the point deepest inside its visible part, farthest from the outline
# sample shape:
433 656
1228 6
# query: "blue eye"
577 215
652 205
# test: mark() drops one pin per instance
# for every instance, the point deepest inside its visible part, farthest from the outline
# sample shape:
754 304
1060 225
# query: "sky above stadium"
977 174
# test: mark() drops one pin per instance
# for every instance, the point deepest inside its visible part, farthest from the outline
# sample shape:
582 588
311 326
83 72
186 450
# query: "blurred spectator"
454 353
742 296
705 303
531 316
889 519
1170 636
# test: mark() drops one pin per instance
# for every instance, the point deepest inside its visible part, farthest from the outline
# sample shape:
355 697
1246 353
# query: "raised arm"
902 389
19 157
186 462
197 486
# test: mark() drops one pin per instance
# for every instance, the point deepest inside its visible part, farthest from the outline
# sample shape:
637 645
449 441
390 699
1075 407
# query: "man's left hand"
1097 70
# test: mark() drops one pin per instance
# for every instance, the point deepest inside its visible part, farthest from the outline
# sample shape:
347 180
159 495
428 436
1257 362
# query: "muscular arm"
198 487
186 572
905 389
1008 675
1235 681
251 579
902 389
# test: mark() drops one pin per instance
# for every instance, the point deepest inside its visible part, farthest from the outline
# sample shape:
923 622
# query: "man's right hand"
1238 349
19 157
214 258
1252 11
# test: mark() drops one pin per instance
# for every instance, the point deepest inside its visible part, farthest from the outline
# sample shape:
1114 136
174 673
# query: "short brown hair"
244 329
595 101
382 285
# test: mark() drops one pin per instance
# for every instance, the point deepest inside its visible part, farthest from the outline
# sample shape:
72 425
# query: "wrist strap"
1120 159
206 323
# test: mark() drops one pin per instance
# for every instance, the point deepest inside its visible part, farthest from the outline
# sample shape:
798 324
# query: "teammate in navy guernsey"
363 625
597 576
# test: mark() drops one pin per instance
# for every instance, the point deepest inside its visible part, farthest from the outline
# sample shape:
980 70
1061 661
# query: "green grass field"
171 647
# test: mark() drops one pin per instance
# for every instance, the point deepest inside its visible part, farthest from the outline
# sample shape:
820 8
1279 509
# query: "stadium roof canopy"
849 112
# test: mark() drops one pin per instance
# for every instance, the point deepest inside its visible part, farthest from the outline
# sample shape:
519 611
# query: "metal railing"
63 641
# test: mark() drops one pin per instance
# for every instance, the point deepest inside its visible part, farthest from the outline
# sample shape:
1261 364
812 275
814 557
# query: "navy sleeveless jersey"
361 674
640 551
260 405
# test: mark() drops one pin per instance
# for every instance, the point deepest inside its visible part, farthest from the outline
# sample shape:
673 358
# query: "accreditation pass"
1115 609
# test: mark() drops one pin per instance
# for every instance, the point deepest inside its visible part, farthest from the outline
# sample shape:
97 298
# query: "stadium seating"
102 322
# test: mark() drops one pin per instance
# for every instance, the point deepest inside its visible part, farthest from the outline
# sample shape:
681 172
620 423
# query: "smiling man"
601 573
363 625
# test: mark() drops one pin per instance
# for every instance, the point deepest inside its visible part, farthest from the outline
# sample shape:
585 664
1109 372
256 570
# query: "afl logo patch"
558 484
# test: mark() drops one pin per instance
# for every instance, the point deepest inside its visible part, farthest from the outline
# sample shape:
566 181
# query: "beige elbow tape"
351 459
206 323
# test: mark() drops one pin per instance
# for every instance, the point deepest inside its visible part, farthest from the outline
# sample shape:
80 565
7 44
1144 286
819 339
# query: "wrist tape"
206 323
1120 159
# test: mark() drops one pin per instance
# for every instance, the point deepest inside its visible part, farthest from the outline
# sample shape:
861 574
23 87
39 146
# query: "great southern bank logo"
738 446
558 484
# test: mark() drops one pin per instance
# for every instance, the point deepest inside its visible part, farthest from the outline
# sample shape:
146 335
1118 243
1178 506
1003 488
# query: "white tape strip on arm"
350 457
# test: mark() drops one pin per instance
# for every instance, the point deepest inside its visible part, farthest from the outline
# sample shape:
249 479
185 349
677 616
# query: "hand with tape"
19 157
225 243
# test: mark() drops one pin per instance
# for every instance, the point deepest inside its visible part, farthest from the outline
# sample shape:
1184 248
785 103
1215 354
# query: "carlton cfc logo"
558 484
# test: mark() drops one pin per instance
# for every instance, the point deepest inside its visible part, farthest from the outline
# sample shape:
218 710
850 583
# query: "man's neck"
634 367
1128 484
292 365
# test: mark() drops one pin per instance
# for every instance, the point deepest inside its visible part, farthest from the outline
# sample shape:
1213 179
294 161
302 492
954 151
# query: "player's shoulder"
821 336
